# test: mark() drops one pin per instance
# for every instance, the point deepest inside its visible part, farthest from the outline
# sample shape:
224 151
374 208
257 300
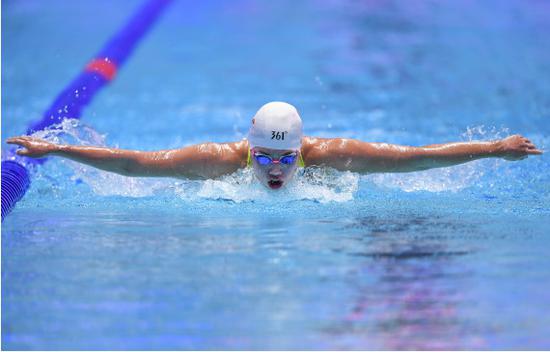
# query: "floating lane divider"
76 96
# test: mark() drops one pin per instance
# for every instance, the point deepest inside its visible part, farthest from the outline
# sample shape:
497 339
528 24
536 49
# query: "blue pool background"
452 258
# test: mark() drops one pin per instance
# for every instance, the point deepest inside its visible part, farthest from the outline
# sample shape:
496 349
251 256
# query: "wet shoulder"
320 151
240 151
314 149
230 153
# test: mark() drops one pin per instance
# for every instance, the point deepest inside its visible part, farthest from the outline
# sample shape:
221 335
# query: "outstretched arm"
208 160
363 157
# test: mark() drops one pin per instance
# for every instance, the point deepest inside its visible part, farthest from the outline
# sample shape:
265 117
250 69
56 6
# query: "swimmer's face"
276 174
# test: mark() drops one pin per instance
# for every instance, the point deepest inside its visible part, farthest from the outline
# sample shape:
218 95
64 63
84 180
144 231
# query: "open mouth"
275 184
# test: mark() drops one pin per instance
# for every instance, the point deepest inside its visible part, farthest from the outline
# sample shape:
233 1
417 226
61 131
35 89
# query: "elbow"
129 168
125 172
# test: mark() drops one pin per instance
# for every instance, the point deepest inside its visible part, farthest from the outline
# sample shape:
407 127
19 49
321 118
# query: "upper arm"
200 161
357 156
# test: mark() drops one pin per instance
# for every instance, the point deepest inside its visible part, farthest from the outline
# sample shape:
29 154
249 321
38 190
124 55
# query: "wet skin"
274 175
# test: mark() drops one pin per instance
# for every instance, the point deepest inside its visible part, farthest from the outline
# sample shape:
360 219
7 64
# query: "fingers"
14 140
531 148
27 146
19 139
528 147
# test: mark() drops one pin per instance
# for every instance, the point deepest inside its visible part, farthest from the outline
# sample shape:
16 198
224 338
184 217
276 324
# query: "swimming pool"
452 258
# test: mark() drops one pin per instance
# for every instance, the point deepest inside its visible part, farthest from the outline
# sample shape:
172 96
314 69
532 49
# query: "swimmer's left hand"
516 147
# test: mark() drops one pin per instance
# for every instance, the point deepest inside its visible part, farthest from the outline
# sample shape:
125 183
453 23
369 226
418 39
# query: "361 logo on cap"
280 136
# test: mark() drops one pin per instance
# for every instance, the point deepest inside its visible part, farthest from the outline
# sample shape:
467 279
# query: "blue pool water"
453 258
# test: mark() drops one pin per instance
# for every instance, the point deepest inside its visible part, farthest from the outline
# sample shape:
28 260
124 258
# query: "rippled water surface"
453 258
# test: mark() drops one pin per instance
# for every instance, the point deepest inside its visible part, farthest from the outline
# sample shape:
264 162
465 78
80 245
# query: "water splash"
319 185
103 183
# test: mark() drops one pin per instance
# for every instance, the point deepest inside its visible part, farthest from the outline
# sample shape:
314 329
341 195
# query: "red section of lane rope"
104 67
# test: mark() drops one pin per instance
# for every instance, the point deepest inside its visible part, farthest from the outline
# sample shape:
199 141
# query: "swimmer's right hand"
32 147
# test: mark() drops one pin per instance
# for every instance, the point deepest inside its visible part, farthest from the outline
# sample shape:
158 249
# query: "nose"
275 170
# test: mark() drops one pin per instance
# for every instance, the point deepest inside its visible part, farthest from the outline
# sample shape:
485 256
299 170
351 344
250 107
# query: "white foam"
320 185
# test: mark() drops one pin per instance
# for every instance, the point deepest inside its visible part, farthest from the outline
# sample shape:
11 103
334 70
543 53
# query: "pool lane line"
76 96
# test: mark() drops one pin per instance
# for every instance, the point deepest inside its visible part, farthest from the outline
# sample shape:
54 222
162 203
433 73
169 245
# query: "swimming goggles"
263 159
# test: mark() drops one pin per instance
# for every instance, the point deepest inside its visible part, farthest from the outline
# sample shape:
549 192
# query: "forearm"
381 157
357 156
120 161
449 154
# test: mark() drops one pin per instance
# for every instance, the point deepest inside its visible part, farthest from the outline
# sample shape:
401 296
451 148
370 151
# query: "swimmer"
275 149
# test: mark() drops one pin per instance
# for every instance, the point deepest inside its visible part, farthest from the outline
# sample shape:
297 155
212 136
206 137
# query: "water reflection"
410 277
409 286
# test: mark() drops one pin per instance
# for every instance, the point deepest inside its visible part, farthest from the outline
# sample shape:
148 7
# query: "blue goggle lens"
262 159
289 159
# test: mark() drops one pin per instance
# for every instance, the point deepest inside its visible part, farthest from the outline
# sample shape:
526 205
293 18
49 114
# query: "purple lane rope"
76 96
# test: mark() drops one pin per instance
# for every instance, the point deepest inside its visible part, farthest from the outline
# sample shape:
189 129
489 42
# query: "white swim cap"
276 125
